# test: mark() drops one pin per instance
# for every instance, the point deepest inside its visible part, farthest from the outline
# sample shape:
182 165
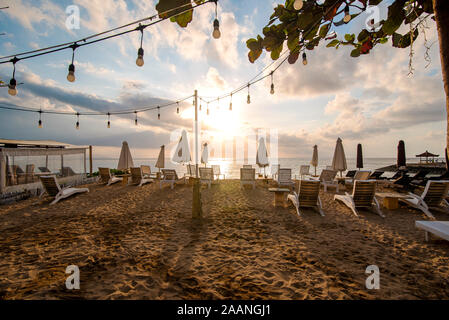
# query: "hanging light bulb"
77 126
248 99
272 83
216 33
347 17
71 74
109 120
297 5
207 111
12 87
230 104
304 59
158 113
139 60
177 108
39 123
200 106
135 120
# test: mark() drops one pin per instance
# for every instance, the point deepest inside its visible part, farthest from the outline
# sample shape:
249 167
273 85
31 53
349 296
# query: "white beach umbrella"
126 160
182 153
339 160
314 161
205 154
262 154
160 163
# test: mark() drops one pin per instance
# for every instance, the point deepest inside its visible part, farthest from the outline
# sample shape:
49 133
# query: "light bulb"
71 75
216 34
207 112
347 17
230 106
297 5
177 110
12 89
77 125
272 88
248 99
139 60
135 122
109 124
39 124
304 59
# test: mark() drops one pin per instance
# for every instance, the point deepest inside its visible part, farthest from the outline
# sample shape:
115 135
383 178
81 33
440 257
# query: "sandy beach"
141 243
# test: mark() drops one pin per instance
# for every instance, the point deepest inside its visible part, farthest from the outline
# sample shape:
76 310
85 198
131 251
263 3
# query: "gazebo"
427 155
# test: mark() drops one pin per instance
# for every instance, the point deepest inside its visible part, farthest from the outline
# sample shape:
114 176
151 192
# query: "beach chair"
304 171
44 170
362 197
327 179
359 175
107 177
376 175
284 177
206 176
138 177
329 168
444 176
217 171
307 196
146 172
67 172
12 175
248 176
247 166
438 228
171 177
350 174
52 188
433 196
275 170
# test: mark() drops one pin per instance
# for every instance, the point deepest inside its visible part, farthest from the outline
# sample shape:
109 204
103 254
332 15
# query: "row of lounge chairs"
15 173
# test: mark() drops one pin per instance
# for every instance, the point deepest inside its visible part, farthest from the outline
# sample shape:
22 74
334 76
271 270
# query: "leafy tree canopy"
305 28
165 8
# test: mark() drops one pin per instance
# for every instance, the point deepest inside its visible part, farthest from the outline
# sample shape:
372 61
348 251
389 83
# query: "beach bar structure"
426 155
23 161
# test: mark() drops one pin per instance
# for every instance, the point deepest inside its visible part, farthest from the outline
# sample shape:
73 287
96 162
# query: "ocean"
232 168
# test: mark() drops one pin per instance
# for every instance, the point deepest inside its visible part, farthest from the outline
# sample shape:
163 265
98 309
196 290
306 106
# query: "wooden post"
197 211
90 160
2 174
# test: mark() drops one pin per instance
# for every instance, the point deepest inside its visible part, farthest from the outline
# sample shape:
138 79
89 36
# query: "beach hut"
314 161
182 152
126 160
205 154
427 155
160 163
359 157
339 159
262 155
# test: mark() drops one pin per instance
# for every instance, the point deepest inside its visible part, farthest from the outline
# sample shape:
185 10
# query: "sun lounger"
327 179
217 171
67 171
248 176
138 177
362 197
444 176
307 196
304 171
275 170
350 174
107 177
206 176
146 172
28 174
44 170
359 175
52 188
247 166
433 196
12 175
438 228
376 175
171 177
284 177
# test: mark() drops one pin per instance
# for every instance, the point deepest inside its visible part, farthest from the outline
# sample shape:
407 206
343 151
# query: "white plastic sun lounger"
206 176
362 197
327 179
307 196
248 176
138 177
433 196
217 171
438 228
107 177
52 188
171 177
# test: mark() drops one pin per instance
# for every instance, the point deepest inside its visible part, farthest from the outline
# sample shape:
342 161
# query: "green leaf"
324 30
276 52
293 40
363 35
355 53
165 9
395 39
254 55
350 37
383 40
396 15
333 43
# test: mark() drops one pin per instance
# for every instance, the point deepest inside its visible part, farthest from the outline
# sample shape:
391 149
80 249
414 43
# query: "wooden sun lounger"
107 177
362 197
206 176
248 176
171 177
327 179
438 228
284 177
52 188
307 196
138 177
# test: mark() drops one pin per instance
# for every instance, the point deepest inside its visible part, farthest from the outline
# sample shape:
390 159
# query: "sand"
141 243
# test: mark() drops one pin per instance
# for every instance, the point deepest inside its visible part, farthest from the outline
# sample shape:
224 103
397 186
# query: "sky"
370 100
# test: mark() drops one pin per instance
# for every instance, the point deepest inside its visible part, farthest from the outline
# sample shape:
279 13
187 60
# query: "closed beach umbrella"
262 154
359 156
401 154
182 153
314 161
205 154
125 161
160 163
339 160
